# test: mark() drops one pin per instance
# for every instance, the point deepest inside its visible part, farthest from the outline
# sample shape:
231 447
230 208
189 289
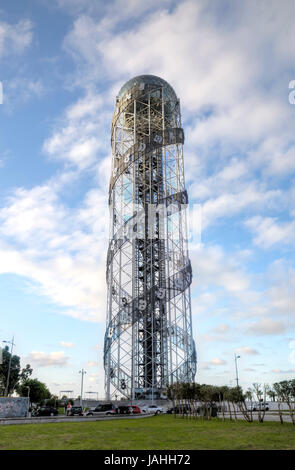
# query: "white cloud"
15 38
281 289
280 371
20 90
217 362
75 139
41 359
61 250
231 204
217 268
247 350
66 344
267 232
267 326
92 364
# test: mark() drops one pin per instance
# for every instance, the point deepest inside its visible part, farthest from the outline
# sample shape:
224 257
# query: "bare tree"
259 393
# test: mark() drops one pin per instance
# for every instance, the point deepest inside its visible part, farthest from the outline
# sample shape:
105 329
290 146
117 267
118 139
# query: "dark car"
76 410
124 410
205 411
103 409
46 411
181 409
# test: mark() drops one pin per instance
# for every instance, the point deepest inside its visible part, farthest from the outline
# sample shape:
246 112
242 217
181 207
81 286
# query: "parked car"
153 409
207 410
102 409
76 410
135 409
180 409
46 411
125 410
262 406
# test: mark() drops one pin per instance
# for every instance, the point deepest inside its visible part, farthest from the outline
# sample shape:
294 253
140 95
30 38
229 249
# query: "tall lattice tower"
148 340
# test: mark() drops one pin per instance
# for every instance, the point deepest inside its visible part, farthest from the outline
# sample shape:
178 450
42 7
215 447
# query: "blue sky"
61 65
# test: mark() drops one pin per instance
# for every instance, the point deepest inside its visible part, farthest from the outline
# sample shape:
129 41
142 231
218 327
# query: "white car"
259 406
152 409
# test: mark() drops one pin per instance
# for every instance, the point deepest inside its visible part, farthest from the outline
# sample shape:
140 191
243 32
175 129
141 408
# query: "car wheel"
51 414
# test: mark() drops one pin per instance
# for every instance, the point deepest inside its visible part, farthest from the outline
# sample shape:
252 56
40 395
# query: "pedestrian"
69 407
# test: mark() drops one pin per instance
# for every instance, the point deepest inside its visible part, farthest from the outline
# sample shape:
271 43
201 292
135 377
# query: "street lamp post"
82 378
9 365
237 377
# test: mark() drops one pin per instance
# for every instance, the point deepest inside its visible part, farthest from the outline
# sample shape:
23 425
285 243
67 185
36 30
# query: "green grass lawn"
155 432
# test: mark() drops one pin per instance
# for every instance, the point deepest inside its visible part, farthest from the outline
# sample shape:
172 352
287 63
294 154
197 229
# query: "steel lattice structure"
148 340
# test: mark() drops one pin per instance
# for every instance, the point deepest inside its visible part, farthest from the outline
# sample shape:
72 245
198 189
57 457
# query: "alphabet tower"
148 340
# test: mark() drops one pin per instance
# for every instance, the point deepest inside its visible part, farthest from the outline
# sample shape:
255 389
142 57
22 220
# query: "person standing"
69 407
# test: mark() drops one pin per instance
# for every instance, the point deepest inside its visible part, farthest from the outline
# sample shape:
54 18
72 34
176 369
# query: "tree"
239 398
26 373
279 394
286 393
16 374
54 401
261 397
271 393
14 371
38 391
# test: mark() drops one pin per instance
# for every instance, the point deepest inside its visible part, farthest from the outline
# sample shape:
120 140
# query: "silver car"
103 409
153 409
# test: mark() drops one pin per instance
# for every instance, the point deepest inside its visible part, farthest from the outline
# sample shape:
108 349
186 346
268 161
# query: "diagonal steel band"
145 147
136 309
177 202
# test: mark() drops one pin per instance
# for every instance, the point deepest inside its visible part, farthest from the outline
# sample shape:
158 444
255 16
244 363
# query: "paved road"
269 416
65 419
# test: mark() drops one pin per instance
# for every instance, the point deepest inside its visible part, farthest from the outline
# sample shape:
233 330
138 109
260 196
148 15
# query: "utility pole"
9 366
237 378
82 378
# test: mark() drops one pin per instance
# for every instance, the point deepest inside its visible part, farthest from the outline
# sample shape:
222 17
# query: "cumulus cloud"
223 85
66 344
217 362
216 267
247 350
92 364
15 38
267 326
268 231
280 371
75 139
41 359
61 250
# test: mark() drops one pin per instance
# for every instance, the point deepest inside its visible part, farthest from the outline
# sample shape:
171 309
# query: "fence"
14 407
